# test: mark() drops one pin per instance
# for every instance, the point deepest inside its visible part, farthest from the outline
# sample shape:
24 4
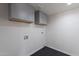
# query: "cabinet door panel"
22 11
43 18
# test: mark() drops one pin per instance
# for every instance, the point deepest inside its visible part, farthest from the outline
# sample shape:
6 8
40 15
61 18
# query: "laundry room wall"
63 32
12 36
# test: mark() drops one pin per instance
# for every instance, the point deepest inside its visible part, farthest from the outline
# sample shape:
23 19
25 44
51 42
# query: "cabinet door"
22 11
43 18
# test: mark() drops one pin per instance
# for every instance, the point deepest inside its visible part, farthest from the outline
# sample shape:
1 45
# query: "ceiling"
53 8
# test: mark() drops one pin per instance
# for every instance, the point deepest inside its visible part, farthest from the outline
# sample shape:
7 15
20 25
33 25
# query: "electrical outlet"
25 37
42 32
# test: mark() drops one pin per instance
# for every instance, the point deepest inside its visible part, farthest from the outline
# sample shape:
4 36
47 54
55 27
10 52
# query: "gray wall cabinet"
40 18
21 12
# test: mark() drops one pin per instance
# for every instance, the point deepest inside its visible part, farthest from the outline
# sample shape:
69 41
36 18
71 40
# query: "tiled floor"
46 51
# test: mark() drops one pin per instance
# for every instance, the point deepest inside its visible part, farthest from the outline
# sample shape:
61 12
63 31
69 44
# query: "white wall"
12 36
63 32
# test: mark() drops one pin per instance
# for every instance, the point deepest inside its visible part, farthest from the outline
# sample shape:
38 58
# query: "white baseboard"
59 50
35 51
